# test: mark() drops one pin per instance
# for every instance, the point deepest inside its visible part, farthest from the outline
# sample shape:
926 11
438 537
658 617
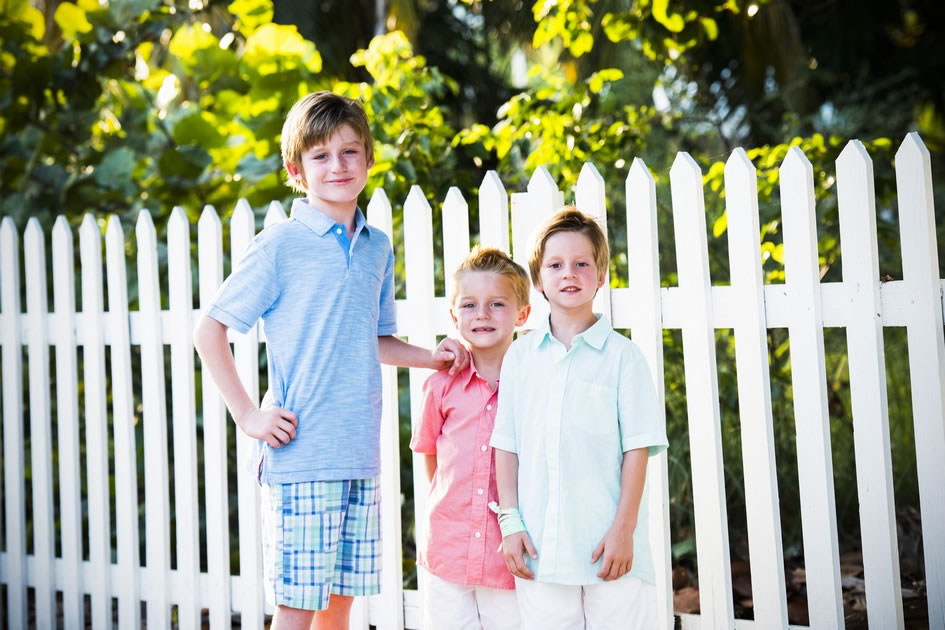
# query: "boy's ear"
453 317
523 315
603 277
293 170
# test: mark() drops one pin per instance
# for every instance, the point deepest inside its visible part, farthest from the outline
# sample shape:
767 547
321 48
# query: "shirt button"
478 534
338 231
489 407
483 448
479 491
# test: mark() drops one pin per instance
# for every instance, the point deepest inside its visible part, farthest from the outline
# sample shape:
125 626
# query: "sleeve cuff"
503 443
229 320
656 442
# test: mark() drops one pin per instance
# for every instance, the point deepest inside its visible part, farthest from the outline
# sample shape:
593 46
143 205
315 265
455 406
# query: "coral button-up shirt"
463 536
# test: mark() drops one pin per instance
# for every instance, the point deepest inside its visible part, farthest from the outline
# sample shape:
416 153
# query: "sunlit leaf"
71 20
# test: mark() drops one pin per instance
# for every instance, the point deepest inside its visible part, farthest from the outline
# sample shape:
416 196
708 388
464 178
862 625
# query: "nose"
337 163
482 312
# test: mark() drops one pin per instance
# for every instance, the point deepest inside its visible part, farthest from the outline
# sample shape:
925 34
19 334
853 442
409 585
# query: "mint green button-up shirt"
570 415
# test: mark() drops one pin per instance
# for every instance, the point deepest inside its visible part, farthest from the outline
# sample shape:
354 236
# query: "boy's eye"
583 264
498 304
351 151
320 156
554 265
467 305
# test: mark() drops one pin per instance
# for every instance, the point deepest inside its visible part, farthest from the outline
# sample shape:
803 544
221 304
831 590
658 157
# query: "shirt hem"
335 474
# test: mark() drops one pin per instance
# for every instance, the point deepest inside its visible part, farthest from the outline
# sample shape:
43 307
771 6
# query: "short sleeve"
641 420
503 433
428 429
387 320
250 290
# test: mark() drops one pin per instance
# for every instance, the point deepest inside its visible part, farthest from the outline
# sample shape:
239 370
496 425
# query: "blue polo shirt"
324 300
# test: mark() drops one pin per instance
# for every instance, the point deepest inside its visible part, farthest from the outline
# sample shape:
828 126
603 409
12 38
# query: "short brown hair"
313 119
570 219
492 260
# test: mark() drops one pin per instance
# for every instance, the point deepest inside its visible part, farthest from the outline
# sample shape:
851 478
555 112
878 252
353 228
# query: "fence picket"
493 213
14 493
210 265
860 262
390 603
754 394
96 421
274 214
590 198
44 535
926 356
808 375
455 235
647 331
183 417
702 394
528 211
125 586
67 424
418 265
156 500
242 230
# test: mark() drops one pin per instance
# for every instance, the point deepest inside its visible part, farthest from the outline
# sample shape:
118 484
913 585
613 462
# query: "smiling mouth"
340 181
570 290
483 329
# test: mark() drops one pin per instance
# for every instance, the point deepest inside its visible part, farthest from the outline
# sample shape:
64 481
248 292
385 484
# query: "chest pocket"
594 409
369 281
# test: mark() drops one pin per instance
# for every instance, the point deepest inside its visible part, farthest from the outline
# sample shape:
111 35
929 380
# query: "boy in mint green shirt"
578 418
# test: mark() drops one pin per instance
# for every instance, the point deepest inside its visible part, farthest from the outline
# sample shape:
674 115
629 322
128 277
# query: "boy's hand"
514 547
617 548
450 354
274 425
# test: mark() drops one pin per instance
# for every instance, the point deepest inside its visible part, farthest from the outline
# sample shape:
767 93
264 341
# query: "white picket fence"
803 305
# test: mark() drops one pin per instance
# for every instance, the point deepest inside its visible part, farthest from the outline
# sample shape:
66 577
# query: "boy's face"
485 311
334 172
569 276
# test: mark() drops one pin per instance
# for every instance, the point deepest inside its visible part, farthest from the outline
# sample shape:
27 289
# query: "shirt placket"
560 360
482 469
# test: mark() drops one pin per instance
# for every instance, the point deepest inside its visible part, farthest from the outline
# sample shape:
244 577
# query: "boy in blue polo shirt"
577 419
323 284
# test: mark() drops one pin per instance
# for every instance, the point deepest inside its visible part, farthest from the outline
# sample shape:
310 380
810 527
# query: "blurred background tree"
148 104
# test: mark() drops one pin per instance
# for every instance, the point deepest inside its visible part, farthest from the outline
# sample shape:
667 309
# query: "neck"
565 324
342 214
488 361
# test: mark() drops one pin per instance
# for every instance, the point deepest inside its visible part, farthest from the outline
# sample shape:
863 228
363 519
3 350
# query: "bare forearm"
214 350
429 464
632 477
506 478
393 351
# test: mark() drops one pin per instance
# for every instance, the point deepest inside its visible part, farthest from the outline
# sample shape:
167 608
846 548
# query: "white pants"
624 604
449 606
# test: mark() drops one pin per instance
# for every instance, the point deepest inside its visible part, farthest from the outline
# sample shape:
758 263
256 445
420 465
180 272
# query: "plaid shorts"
320 537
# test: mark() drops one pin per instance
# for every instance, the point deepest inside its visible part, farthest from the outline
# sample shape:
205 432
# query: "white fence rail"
803 305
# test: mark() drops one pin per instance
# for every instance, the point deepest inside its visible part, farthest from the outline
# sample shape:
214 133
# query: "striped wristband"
510 519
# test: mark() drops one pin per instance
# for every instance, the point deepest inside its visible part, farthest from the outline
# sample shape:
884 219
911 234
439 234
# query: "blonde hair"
570 219
313 119
492 260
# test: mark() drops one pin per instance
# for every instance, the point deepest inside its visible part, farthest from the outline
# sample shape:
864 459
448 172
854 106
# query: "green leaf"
71 20
198 128
251 169
115 169
673 23
188 162
720 225
711 28
251 13
597 80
